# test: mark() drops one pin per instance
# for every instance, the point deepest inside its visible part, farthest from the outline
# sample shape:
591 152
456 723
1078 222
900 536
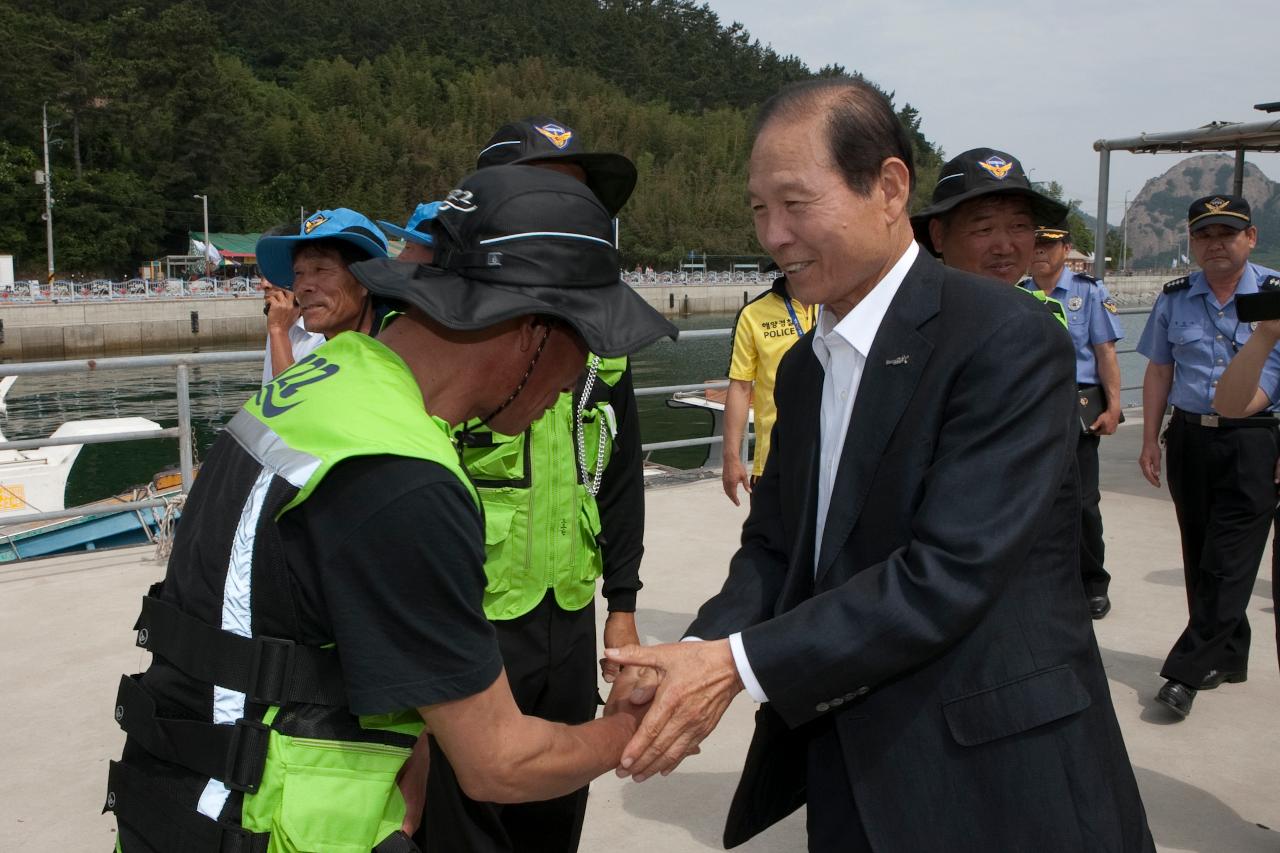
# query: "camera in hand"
1252 307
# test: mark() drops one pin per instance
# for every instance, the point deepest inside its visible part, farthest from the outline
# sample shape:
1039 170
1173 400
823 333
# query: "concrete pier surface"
1209 782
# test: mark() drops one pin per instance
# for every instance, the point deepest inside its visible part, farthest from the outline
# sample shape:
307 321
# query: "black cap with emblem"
1230 210
982 172
539 139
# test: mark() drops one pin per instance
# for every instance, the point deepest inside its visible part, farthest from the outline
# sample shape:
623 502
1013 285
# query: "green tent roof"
238 246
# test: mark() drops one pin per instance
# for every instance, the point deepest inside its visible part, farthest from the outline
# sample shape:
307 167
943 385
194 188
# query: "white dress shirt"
841 347
301 342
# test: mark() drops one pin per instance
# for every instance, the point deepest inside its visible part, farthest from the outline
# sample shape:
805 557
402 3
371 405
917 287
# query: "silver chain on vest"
592 481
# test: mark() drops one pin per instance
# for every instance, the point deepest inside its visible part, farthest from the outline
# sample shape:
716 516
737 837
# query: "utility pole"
48 191
1124 253
205 200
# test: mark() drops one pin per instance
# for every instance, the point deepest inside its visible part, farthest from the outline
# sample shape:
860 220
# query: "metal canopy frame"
1237 137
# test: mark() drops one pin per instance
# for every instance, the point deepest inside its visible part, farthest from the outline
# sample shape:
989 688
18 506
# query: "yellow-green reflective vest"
538 490
1049 302
330 789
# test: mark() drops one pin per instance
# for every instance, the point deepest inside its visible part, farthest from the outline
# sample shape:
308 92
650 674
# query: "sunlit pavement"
1208 782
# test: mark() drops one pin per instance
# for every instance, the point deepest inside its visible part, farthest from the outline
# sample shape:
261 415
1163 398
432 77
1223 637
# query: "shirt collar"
1248 282
858 328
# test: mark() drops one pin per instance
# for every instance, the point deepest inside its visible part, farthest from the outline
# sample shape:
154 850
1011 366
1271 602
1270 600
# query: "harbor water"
37 406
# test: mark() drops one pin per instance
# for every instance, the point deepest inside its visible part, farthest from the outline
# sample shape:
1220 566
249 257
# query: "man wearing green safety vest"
982 218
564 505
310 622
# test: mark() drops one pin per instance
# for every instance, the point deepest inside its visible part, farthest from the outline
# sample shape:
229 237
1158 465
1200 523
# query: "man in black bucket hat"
323 598
564 508
983 215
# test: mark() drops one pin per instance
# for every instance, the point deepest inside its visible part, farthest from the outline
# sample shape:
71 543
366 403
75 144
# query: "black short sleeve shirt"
387 555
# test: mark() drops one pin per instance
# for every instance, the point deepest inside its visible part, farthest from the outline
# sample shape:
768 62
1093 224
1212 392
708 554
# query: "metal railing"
182 364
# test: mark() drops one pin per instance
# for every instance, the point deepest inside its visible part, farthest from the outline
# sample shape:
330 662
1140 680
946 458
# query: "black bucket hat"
518 240
539 139
980 172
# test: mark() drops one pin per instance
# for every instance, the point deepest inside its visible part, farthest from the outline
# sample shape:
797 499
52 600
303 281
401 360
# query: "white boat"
35 480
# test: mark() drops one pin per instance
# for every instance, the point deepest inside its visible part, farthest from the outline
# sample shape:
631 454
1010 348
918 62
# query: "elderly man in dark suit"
906 601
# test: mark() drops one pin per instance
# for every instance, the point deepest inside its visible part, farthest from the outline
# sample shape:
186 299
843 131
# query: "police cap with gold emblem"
539 139
1230 210
1053 234
980 172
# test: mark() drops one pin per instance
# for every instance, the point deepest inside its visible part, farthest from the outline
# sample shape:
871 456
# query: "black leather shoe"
1177 697
1216 677
1099 606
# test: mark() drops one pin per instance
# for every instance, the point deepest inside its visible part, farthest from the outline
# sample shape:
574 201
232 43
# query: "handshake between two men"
683 689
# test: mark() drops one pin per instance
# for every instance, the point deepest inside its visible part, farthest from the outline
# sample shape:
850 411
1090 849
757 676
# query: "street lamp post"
205 201
1124 253
48 193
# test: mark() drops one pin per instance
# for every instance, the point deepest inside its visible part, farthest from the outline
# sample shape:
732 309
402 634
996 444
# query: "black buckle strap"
268 670
165 824
1218 422
397 842
233 754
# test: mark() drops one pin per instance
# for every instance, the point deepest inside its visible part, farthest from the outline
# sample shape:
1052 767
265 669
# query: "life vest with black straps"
542 524
239 737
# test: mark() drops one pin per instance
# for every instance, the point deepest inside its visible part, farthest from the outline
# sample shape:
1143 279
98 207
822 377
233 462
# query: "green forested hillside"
269 107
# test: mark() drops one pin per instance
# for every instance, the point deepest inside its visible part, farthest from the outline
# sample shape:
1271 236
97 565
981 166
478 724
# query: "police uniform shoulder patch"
1084 276
1177 284
1110 305
1270 283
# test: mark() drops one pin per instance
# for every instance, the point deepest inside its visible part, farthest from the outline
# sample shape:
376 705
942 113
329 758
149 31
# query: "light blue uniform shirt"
1189 329
1091 318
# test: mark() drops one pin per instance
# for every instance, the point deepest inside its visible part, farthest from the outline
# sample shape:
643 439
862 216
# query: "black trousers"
1092 550
832 821
550 659
1222 488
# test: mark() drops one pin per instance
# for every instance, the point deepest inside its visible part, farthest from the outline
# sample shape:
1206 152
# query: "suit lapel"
897 359
808 410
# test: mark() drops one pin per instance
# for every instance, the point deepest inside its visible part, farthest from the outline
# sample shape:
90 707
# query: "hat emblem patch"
314 222
459 200
557 135
1216 204
998 167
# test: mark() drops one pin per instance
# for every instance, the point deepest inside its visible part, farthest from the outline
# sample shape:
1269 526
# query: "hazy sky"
1043 80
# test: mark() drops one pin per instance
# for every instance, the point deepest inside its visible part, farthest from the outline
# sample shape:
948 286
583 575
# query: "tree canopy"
272 108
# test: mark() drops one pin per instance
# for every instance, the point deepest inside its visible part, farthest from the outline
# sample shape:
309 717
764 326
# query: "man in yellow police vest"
765 329
325 594
564 505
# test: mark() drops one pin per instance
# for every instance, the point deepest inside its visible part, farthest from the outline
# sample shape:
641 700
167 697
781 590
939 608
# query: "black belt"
233 754
1219 422
269 671
149 809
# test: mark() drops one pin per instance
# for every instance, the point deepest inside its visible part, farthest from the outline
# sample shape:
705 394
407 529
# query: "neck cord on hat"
471 426
593 486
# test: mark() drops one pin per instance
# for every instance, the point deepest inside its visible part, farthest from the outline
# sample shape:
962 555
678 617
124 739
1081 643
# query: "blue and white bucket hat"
275 254
418 228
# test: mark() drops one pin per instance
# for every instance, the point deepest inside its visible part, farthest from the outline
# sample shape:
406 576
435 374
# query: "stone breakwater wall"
45 331
48 331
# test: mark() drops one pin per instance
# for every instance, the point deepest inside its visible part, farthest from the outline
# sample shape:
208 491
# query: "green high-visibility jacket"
328 782
538 489
1049 302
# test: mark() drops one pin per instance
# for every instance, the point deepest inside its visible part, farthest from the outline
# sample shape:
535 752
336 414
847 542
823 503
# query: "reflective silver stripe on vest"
237 618
263 444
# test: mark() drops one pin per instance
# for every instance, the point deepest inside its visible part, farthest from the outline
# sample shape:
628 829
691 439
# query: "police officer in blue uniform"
1220 469
1094 328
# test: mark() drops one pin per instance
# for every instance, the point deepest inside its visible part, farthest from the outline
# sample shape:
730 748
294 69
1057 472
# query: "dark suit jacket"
945 635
